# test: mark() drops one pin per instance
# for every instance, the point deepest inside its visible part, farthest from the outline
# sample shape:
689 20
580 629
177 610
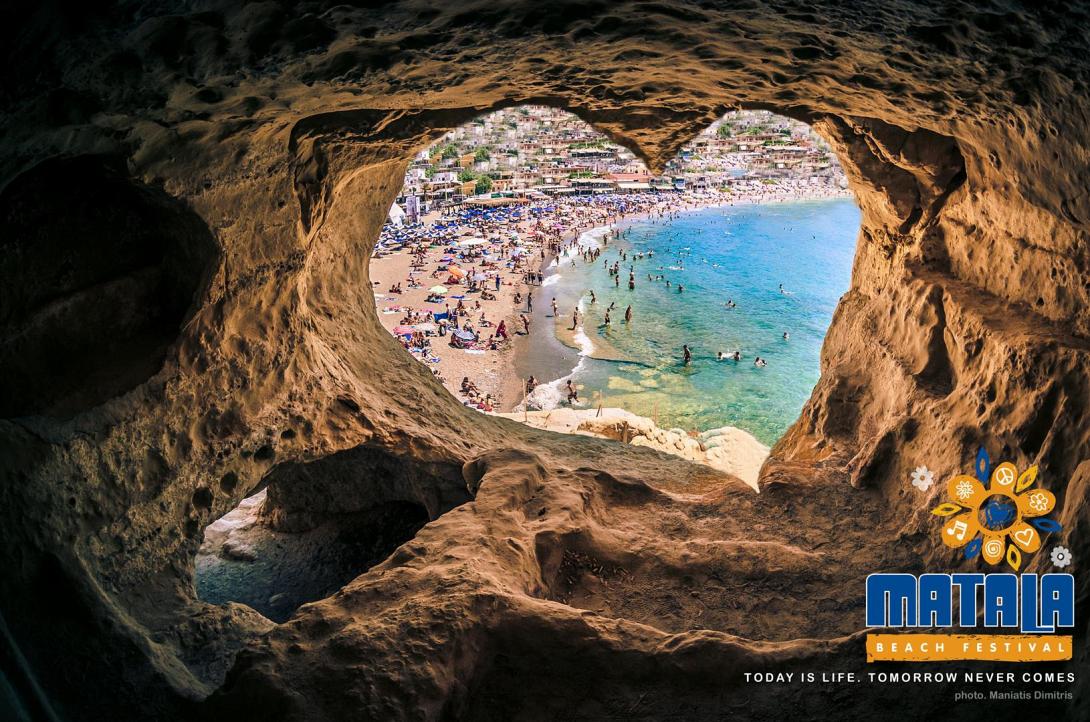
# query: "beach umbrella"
438 290
462 335
403 330
456 272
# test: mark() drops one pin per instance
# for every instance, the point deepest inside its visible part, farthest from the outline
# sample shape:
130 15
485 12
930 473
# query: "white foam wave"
586 346
543 398
550 395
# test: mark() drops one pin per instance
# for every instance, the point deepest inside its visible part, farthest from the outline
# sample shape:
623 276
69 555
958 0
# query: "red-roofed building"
629 177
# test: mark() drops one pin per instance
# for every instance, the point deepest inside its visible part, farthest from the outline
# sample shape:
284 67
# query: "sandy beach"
488 245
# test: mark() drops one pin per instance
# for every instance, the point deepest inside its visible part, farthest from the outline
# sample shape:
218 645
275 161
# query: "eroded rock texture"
188 197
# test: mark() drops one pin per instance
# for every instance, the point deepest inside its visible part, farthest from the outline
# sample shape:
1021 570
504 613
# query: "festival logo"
1001 516
998 514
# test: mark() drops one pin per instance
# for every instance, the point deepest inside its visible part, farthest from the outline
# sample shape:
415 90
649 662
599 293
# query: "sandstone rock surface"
728 449
188 197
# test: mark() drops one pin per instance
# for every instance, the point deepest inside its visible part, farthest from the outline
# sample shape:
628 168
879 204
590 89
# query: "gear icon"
922 478
1061 556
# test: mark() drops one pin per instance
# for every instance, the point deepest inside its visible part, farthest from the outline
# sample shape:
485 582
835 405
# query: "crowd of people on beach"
485 264
475 255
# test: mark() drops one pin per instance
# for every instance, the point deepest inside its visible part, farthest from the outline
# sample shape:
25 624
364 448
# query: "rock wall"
238 163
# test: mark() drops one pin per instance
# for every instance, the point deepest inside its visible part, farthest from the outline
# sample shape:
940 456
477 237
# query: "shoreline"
496 373
566 336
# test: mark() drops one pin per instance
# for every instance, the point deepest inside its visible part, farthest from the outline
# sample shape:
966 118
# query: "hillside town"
533 153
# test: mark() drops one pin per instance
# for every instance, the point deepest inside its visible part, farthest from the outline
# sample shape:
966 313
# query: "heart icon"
1024 536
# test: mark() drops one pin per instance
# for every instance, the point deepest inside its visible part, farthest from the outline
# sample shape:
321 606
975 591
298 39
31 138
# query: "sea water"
740 253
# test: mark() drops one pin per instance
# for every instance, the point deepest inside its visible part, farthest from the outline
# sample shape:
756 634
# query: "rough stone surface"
584 579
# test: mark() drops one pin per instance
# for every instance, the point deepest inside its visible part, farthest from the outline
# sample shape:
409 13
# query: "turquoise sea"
741 253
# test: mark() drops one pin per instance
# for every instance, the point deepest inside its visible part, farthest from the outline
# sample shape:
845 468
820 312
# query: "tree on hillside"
484 185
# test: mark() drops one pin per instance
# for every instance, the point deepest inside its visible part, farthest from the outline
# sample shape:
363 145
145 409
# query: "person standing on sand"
628 314
555 314
530 302
575 318
525 324
688 355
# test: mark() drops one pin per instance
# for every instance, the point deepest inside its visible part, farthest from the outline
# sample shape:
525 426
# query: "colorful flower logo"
1000 519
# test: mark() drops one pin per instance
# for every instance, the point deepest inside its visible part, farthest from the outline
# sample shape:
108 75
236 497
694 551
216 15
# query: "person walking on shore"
555 314
530 302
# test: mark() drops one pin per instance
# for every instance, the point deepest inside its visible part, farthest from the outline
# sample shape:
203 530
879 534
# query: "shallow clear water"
742 253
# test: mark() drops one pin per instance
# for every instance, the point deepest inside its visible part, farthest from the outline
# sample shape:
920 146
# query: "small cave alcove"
308 530
100 272
245 559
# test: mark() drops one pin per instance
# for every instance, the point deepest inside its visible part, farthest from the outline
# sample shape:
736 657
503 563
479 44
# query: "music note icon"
958 529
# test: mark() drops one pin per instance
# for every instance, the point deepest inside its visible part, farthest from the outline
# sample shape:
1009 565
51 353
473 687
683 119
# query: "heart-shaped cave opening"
92 297
540 270
310 528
